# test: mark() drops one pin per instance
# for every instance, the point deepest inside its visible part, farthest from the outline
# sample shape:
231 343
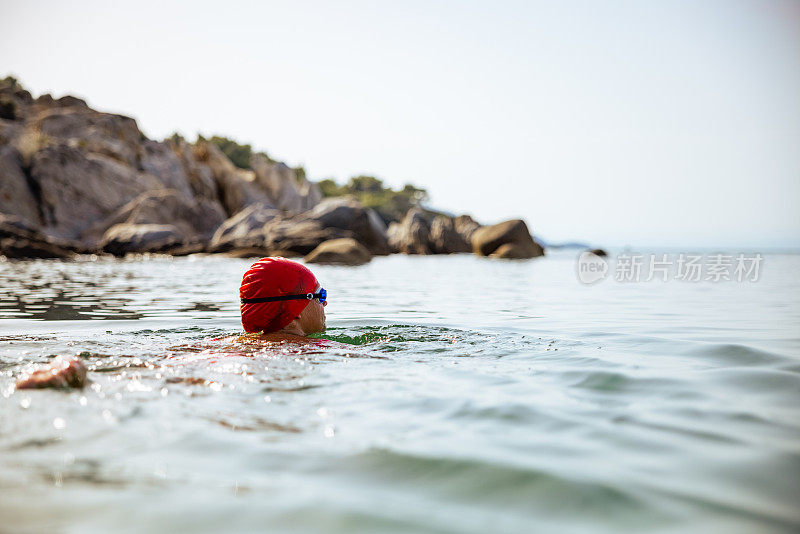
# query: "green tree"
238 154
329 188
391 205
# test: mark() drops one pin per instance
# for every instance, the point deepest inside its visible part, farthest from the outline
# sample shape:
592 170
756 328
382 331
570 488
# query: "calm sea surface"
465 395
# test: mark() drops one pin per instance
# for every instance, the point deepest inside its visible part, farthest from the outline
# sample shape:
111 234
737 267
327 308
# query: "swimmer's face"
312 319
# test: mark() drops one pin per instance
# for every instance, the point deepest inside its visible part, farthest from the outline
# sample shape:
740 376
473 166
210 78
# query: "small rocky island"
74 180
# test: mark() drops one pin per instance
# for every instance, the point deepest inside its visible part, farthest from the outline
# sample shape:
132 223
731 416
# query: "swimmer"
280 301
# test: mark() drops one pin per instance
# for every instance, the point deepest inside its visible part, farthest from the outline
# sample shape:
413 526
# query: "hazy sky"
644 123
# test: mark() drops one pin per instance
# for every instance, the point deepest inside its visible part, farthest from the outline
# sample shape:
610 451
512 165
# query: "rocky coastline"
74 180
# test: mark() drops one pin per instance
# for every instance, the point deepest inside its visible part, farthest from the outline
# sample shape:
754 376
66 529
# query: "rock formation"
344 251
77 180
243 230
348 214
412 234
73 174
509 239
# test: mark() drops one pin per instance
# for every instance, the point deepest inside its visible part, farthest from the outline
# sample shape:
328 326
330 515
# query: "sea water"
464 395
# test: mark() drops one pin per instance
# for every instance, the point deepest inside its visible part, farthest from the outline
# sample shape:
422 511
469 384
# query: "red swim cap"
274 277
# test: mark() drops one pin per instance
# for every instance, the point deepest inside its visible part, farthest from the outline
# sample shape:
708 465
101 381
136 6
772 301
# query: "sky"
640 123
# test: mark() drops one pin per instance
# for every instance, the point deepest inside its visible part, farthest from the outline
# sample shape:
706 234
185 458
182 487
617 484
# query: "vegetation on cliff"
240 155
390 204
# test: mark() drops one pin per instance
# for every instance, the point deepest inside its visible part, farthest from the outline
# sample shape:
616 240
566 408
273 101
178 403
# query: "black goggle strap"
306 296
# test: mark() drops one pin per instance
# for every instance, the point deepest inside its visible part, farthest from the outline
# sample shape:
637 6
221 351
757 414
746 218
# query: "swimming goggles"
322 295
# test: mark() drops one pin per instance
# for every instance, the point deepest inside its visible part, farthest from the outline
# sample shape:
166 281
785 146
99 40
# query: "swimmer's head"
275 296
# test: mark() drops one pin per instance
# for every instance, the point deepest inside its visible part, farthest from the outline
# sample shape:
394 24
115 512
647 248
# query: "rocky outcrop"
237 188
411 235
19 240
243 230
465 226
339 252
298 236
113 136
195 220
76 179
160 159
16 197
517 251
509 239
419 233
77 188
73 173
349 215
444 238
200 176
121 239
283 186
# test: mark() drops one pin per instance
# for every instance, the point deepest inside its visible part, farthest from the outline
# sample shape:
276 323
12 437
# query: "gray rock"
20 240
238 188
161 161
488 239
339 252
195 219
200 176
28 248
281 184
346 213
466 226
121 239
78 189
243 230
298 236
412 234
445 239
16 197
517 251
252 252
114 136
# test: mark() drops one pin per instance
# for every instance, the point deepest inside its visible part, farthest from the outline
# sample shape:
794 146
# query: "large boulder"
348 214
196 220
73 173
19 240
243 230
31 248
281 183
298 236
160 160
121 239
114 136
78 189
445 239
339 252
237 188
465 226
16 197
200 176
487 240
517 251
411 235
